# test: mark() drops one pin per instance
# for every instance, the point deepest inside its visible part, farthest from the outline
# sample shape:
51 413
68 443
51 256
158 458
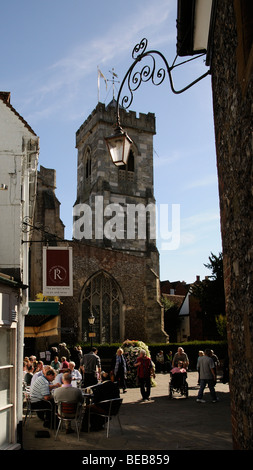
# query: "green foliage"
221 325
132 350
171 317
191 348
107 351
211 295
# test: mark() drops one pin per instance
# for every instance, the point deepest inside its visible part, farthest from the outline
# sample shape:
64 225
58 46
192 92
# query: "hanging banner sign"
57 271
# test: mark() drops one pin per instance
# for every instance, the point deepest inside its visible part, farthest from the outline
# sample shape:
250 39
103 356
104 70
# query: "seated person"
68 393
64 364
29 375
41 396
55 364
106 390
178 369
75 374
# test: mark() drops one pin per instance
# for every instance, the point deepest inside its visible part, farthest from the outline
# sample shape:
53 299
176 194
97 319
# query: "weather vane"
114 75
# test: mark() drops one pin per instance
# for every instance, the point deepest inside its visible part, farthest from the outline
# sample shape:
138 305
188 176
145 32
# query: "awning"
42 320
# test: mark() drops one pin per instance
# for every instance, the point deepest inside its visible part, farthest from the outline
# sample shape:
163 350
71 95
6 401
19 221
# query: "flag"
101 75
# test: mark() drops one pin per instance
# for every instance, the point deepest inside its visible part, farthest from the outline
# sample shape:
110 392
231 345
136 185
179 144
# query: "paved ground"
160 424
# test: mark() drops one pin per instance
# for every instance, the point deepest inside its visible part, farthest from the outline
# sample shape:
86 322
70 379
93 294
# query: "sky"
50 54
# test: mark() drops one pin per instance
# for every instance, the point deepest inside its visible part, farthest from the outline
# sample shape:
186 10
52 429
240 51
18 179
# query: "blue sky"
49 58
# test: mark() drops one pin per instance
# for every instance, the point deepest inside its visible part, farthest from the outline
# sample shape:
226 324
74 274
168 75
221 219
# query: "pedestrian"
91 368
207 376
64 351
77 356
201 353
215 360
145 370
180 356
119 369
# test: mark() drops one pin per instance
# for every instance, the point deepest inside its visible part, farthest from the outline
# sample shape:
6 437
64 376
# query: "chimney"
197 278
5 96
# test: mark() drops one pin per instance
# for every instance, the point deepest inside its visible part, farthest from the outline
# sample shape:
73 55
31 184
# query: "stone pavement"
159 424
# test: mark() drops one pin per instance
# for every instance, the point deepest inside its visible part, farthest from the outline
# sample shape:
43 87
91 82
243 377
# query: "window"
87 162
126 172
102 296
6 384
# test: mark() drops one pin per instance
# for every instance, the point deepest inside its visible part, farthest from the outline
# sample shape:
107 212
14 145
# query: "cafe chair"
111 408
30 410
67 412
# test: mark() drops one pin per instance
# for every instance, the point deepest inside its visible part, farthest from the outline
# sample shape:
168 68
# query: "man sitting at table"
70 394
41 397
106 390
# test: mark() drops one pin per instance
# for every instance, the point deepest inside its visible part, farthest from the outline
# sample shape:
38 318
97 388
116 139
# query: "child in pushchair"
178 382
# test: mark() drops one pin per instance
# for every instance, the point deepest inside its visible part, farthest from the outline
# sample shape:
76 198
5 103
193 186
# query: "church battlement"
107 114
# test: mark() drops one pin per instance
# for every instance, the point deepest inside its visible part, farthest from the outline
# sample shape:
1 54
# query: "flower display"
132 350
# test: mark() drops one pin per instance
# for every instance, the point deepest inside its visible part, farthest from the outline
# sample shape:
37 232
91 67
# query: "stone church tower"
117 268
126 191
115 259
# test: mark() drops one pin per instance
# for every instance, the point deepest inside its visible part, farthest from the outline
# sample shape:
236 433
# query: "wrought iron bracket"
48 236
134 77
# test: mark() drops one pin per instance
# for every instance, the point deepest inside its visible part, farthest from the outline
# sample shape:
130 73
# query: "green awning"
41 312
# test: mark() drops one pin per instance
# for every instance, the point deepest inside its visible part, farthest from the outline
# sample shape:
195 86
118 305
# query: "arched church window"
102 297
87 160
130 163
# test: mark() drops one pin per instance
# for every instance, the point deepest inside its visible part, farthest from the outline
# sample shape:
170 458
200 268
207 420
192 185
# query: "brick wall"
139 285
232 101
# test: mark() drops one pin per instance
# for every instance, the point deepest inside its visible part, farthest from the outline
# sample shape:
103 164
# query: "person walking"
182 357
91 368
145 370
119 369
207 376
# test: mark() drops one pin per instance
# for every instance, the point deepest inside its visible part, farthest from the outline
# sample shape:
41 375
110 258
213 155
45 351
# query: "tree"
171 318
211 295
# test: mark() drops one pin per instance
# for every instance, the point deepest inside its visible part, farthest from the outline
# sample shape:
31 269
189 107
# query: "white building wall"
15 167
19 148
184 315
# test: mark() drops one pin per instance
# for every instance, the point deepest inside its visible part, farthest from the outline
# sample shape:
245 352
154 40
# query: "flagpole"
98 83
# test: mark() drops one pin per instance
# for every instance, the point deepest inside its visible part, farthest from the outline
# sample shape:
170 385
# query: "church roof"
113 104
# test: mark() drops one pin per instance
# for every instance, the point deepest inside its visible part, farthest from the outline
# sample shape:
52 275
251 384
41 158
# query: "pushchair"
178 383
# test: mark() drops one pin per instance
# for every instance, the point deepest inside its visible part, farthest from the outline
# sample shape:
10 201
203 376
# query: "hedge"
107 351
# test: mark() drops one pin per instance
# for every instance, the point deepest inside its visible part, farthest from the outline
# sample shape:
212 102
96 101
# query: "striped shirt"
39 389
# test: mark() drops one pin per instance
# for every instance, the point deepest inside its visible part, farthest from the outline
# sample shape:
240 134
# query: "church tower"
115 259
121 198
116 263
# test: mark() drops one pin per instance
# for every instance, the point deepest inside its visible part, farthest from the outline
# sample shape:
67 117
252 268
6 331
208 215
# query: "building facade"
19 149
115 259
232 83
229 53
114 219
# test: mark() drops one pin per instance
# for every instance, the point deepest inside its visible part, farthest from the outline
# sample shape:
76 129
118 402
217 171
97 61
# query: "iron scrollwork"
134 77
